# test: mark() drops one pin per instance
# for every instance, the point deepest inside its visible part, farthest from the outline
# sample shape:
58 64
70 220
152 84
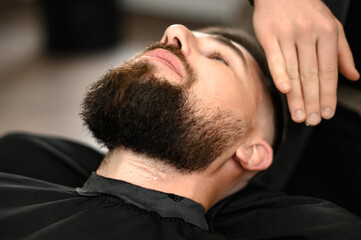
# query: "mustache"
177 51
170 47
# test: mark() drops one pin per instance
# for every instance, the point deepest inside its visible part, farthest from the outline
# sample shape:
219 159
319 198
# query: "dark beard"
132 109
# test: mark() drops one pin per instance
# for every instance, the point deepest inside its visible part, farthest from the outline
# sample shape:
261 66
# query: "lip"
168 59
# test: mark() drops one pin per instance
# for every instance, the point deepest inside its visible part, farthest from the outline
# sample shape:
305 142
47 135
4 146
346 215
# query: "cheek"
219 88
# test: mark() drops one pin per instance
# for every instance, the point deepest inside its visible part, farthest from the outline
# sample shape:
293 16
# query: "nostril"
177 42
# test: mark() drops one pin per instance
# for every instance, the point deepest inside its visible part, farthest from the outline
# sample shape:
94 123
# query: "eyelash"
218 57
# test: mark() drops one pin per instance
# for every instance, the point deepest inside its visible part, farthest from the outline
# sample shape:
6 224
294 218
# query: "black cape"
35 209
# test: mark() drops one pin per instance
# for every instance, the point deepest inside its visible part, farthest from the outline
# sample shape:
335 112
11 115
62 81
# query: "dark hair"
255 49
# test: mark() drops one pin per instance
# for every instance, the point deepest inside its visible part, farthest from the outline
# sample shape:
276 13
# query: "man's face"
227 76
185 100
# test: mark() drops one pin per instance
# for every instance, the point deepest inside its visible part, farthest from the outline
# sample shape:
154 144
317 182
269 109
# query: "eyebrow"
228 43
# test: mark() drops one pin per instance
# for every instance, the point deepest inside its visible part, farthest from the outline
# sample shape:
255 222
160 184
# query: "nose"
181 37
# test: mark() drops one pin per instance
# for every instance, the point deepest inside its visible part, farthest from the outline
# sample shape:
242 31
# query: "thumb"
346 62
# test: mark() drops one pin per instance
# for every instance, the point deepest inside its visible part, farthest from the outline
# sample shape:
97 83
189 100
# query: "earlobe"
257 156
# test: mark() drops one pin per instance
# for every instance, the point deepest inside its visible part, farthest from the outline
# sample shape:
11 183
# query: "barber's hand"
305 46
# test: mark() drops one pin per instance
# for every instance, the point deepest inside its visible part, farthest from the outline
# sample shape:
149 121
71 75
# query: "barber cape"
102 209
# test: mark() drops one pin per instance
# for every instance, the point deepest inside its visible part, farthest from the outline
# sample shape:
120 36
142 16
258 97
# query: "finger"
328 73
346 61
294 97
307 59
277 66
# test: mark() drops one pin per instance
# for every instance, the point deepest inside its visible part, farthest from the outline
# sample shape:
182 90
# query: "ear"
255 156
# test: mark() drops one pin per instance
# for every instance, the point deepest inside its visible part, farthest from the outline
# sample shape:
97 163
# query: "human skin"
224 81
305 47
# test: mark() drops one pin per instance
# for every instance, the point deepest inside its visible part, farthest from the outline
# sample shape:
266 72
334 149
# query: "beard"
132 109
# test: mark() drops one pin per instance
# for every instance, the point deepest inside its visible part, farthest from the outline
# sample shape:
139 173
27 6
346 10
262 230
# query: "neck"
203 188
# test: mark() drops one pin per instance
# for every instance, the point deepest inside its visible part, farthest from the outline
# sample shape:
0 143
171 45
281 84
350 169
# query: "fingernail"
327 113
300 115
313 119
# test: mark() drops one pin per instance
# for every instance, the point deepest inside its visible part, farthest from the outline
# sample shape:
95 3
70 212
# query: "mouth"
167 58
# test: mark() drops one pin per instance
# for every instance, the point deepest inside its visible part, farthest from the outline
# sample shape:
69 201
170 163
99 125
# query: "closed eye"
218 57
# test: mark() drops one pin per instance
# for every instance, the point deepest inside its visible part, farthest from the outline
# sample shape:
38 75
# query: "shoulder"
36 209
278 214
17 183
